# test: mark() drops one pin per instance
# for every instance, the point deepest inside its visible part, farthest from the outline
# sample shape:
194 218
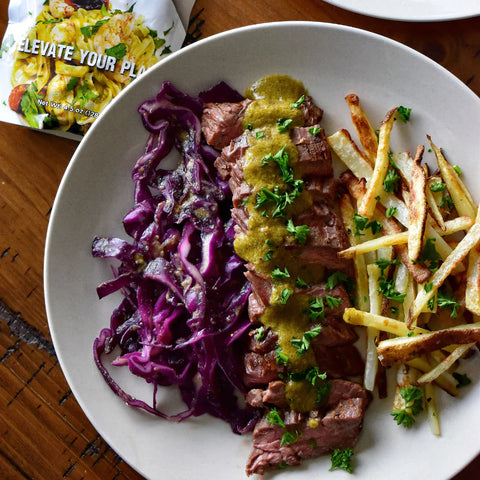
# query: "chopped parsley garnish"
72 83
273 417
314 130
284 296
413 398
431 304
391 181
404 113
383 264
462 379
299 282
391 211
447 300
428 287
259 134
84 94
332 302
260 333
316 308
342 459
268 255
278 274
362 223
279 200
457 169
300 232
388 290
446 202
290 437
337 278
298 103
429 255
303 344
437 187
283 124
282 358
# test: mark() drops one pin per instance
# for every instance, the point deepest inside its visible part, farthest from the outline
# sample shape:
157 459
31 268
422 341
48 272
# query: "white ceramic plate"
96 192
412 10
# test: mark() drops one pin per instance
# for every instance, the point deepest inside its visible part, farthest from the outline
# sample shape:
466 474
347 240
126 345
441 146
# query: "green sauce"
264 245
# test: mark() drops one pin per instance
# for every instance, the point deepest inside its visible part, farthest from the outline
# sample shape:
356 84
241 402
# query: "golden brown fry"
468 242
433 206
365 132
382 162
472 292
417 206
458 191
403 349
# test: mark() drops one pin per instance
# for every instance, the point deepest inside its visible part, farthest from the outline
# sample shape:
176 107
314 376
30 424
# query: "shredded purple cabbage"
183 318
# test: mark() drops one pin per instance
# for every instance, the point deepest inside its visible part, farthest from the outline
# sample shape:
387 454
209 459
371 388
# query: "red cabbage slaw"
183 317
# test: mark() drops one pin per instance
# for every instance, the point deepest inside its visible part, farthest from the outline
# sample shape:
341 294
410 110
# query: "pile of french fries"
426 242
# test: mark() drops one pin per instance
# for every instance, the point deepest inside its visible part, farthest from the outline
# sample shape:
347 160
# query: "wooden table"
44 434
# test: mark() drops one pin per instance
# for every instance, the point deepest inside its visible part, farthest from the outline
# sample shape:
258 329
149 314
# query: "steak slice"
315 156
337 426
222 122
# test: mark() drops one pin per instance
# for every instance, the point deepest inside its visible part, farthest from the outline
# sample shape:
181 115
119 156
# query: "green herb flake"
437 186
273 417
300 232
303 344
316 308
388 290
404 113
259 135
332 302
314 130
462 379
278 274
290 437
285 295
457 169
447 300
283 124
391 181
300 283
342 459
413 398
298 103
391 211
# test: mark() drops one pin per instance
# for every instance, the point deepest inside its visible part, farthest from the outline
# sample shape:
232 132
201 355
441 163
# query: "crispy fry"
403 349
472 292
365 132
433 206
432 411
443 381
375 186
348 152
417 206
443 366
468 242
458 191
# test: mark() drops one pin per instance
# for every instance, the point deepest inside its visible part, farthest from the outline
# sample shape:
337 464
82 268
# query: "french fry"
433 206
417 207
346 212
403 349
443 381
348 152
468 242
432 411
443 366
371 359
382 162
458 191
472 291
365 132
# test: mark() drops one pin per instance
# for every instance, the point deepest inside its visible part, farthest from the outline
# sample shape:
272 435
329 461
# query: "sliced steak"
222 122
274 394
315 156
338 361
313 434
261 368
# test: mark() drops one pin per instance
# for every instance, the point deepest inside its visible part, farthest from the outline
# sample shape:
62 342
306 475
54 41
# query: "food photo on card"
63 61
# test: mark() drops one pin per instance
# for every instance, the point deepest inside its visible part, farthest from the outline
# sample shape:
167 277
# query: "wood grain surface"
44 434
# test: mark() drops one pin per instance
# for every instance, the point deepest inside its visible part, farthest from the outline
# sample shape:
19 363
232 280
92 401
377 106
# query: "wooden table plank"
44 434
